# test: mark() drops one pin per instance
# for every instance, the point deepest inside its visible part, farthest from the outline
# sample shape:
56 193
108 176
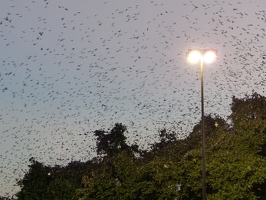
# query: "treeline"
235 161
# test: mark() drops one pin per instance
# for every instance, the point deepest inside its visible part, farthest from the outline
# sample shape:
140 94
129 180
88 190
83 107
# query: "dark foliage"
236 165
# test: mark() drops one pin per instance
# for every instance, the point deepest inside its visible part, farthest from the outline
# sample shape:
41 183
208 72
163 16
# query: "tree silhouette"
110 144
235 158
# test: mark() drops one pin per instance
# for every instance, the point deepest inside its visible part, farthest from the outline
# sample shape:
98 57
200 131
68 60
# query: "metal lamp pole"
206 55
203 134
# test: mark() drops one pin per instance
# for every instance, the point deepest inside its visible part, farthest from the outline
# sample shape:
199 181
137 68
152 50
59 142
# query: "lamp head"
194 55
206 55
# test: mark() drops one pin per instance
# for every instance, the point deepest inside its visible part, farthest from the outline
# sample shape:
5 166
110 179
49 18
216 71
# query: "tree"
66 180
235 168
249 119
249 114
112 143
166 138
212 124
116 172
58 182
114 178
158 179
235 162
35 183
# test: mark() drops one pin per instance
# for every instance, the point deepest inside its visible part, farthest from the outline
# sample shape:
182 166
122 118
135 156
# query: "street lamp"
204 56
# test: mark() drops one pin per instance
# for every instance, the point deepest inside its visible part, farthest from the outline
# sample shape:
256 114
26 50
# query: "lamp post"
204 56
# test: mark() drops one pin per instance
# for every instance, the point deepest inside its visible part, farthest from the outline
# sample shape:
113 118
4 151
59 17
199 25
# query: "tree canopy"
235 162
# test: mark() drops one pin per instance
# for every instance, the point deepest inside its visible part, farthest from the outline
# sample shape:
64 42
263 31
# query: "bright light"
194 56
205 55
209 56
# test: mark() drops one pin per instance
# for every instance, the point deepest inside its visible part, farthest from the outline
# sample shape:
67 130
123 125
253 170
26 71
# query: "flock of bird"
69 68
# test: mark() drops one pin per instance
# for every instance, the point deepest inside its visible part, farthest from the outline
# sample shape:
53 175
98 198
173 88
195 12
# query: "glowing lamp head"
197 55
194 56
209 56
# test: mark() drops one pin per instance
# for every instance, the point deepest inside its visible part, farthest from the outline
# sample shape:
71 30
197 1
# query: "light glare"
206 55
194 56
209 56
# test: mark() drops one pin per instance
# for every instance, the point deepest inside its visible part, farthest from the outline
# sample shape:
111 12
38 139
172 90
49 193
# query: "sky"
68 68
